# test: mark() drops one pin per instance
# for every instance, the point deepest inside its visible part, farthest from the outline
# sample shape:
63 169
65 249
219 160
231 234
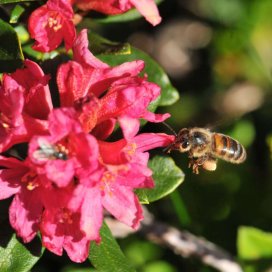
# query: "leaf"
15 256
254 244
16 13
169 94
100 45
167 177
11 56
22 33
14 1
130 15
107 256
40 56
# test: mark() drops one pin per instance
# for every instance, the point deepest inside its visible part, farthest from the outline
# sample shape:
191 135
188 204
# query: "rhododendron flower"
19 179
125 169
102 94
52 23
147 8
40 206
67 152
24 105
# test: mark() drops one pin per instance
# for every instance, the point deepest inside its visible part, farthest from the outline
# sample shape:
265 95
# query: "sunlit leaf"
14 1
167 177
22 33
107 256
16 13
254 244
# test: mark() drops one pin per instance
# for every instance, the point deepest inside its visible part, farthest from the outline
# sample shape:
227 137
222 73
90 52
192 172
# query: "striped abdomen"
226 148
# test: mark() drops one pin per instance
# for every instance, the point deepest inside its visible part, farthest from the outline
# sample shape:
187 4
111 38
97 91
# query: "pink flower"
61 230
147 8
125 169
52 23
39 206
67 152
101 94
26 208
24 105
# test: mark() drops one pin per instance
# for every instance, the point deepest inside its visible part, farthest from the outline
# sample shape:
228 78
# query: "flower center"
5 121
65 216
54 22
106 180
130 149
30 179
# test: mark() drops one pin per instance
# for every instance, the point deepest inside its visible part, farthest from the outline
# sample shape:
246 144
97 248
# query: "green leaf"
130 15
107 256
14 1
22 34
254 244
167 177
40 56
100 45
11 56
155 74
15 255
16 13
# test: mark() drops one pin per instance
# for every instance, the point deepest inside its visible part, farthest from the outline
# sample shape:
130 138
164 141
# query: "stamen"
30 179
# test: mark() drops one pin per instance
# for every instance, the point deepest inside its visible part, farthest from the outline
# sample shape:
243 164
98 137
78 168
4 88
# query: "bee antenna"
170 128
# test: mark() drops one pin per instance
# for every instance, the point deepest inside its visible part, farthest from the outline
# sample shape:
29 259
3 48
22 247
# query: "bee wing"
40 155
45 151
44 144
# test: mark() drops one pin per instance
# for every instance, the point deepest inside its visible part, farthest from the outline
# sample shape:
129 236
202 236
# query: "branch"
181 242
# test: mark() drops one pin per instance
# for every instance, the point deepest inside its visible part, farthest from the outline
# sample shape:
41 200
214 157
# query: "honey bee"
48 151
204 147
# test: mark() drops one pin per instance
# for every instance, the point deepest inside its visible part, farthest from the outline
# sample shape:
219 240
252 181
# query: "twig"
181 242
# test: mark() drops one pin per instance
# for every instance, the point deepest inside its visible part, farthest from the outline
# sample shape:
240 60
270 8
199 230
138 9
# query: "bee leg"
195 163
168 149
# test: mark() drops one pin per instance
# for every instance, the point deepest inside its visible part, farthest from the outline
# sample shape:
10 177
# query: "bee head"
183 140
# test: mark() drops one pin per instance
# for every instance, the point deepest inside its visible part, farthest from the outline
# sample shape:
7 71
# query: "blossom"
52 23
125 169
66 152
19 179
71 174
101 94
25 103
40 206
147 8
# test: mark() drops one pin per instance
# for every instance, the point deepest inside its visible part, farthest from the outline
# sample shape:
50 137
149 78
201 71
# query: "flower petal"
124 205
25 213
149 10
82 53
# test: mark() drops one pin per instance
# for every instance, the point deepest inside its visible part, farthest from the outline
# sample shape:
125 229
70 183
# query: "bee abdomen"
228 149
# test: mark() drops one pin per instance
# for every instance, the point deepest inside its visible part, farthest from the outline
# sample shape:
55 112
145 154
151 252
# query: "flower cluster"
52 23
72 172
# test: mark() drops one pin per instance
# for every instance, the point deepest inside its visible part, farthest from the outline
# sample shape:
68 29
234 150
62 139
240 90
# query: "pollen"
54 23
108 177
4 121
66 216
131 148
106 180
30 179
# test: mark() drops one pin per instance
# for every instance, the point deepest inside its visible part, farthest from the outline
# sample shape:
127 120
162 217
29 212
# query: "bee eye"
185 144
